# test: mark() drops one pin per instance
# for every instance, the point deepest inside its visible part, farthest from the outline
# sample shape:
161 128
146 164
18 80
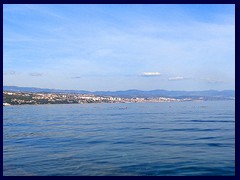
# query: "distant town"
20 98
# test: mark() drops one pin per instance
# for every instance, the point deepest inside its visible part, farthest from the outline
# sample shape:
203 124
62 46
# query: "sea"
120 139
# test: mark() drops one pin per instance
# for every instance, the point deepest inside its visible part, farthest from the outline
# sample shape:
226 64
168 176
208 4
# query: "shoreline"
196 101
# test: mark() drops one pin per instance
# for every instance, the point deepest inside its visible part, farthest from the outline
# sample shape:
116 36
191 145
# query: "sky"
119 47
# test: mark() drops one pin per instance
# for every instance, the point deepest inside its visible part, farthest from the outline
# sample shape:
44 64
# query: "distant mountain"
130 93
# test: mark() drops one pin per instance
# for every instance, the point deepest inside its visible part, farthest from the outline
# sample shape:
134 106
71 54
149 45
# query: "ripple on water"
103 139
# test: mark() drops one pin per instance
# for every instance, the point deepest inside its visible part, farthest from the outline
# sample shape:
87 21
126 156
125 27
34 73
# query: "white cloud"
175 78
151 74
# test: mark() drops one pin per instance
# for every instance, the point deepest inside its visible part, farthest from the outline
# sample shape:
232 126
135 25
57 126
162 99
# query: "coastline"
195 101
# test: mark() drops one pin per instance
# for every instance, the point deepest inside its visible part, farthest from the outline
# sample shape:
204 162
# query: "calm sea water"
166 139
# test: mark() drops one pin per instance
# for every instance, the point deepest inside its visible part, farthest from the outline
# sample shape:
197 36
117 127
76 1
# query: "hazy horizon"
119 47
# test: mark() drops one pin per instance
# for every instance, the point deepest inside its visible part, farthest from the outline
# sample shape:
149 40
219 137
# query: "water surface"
165 139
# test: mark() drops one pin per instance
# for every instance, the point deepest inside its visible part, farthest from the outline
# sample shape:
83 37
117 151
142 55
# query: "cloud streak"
150 74
176 78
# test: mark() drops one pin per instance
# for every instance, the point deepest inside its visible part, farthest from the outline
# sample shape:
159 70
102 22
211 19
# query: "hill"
130 93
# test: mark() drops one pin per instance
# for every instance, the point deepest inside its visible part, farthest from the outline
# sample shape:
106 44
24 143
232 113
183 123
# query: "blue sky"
119 47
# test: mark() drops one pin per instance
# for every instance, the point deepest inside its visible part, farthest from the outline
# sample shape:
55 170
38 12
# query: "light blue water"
180 138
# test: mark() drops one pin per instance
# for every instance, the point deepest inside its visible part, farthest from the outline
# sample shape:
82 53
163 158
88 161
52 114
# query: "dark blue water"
166 139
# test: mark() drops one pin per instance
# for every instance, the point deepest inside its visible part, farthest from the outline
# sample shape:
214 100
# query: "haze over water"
185 138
